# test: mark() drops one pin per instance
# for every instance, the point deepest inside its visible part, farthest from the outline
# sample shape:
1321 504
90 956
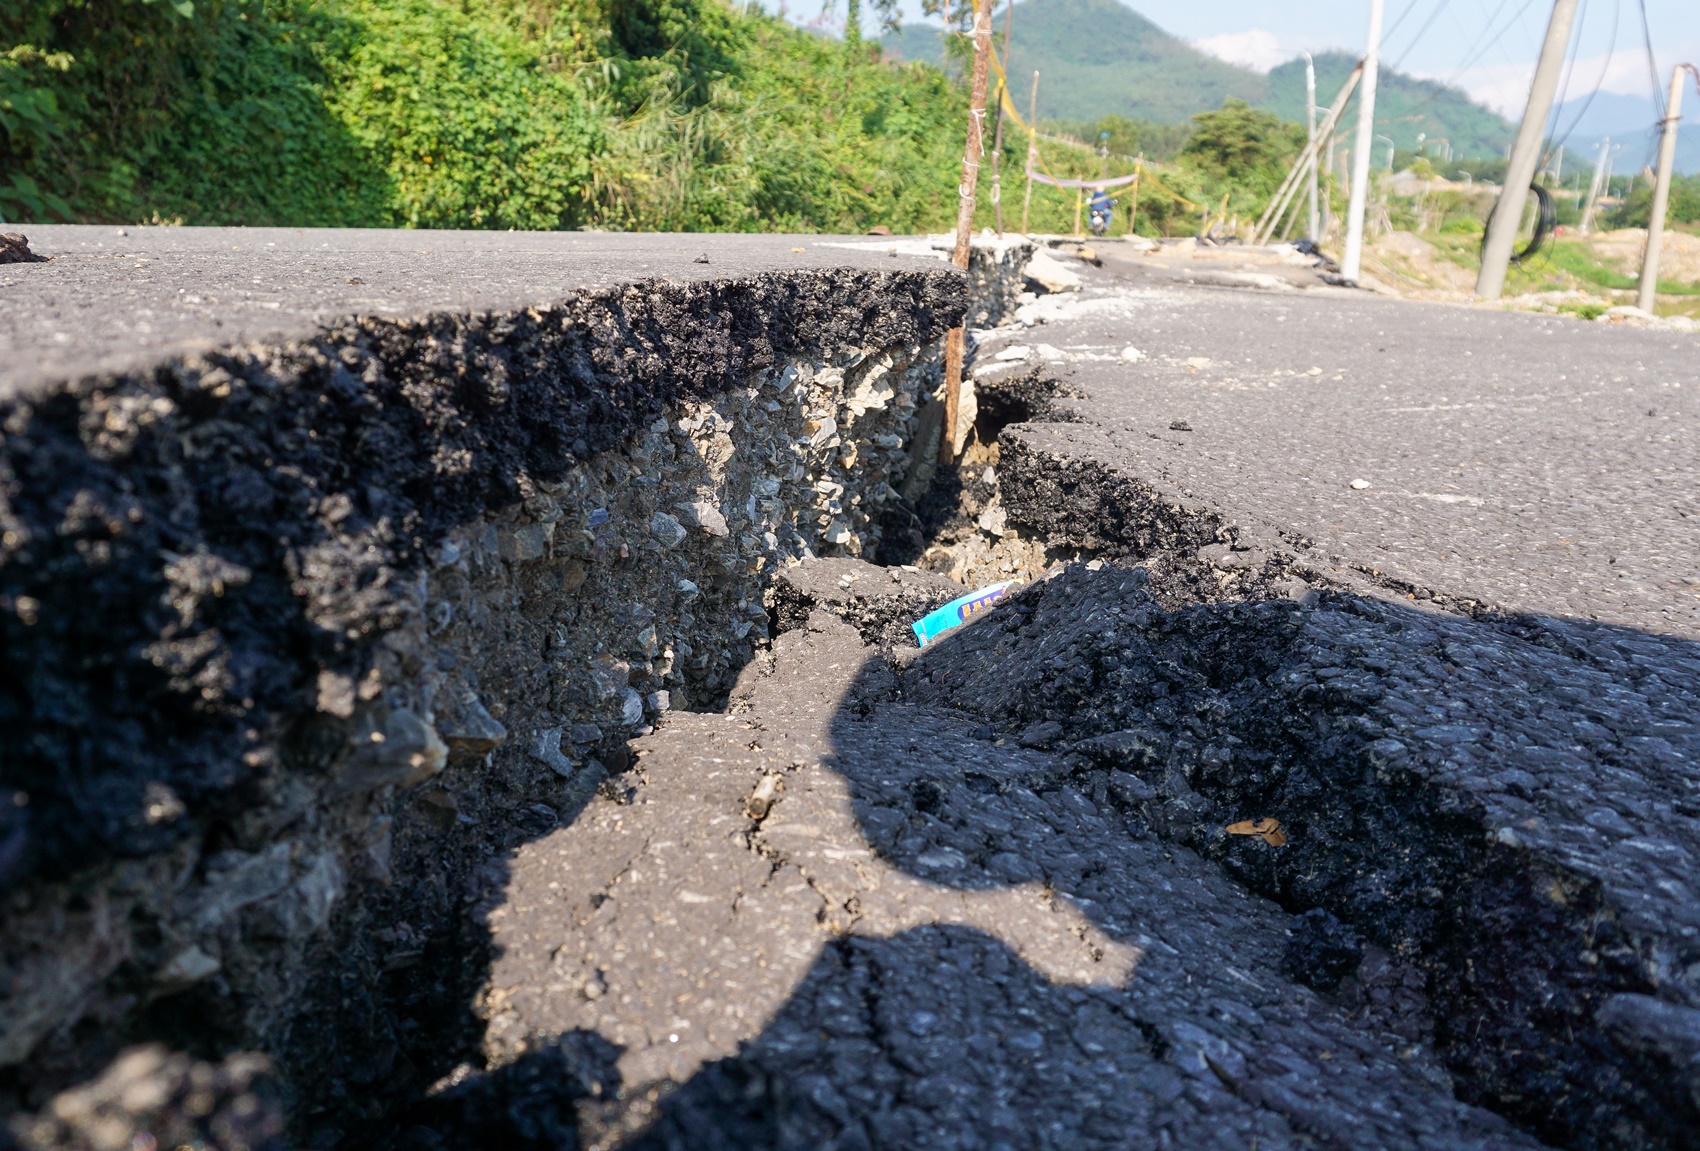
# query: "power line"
1489 38
1421 32
1409 8
1653 77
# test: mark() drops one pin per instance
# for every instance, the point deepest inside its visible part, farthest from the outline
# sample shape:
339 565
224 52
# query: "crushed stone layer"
932 938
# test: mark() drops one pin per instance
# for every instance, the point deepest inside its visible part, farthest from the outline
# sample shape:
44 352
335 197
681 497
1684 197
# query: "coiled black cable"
1546 224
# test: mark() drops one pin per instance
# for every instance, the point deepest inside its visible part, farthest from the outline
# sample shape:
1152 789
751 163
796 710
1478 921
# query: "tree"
1242 144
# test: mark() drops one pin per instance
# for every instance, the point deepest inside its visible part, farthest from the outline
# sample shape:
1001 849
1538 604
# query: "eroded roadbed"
936 936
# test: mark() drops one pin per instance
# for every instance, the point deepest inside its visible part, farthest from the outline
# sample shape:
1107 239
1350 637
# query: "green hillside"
638 114
1099 59
1404 106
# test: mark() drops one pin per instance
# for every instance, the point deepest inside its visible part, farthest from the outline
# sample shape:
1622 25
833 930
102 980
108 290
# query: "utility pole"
1032 148
1525 154
972 150
1311 221
1661 190
1352 264
1133 209
1594 188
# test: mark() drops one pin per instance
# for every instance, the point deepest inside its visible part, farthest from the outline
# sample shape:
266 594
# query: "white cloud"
1257 48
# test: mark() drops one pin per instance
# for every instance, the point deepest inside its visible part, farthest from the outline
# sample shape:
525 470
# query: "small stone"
546 749
836 533
660 701
608 676
631 708
406 752
1359 485
471 732
524 544
704 515
688 589
668 532
336 694
1179 426
191 965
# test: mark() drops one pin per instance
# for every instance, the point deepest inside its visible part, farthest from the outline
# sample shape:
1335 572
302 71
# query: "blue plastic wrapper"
959 611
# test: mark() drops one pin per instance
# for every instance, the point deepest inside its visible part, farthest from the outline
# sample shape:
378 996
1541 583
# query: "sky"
1487 47
1454 40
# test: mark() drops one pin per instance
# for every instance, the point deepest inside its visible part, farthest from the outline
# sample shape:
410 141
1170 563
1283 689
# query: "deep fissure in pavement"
300 639
1210 685
566 526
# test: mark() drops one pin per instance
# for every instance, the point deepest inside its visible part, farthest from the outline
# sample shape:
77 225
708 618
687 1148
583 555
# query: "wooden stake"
1133 208
973 149
1032 147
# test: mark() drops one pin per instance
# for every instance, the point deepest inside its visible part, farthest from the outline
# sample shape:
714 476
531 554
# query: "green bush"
1637 208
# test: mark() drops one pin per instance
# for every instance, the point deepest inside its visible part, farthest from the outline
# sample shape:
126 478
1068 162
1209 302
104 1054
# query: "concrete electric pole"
1661 191
1525 154
1032 148
1352 264
1313 225
1594 188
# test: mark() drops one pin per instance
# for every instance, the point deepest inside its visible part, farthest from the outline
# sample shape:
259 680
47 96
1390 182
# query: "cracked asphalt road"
110 299
945 936
1537 463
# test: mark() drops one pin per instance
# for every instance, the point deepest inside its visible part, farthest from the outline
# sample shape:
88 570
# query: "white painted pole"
1594 188
1313 231
1661 193
1352 264
1525 154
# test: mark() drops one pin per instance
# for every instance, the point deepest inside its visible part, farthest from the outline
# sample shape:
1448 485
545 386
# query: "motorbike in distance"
1102 212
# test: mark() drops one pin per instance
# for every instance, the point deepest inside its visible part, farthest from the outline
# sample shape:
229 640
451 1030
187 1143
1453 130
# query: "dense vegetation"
683 114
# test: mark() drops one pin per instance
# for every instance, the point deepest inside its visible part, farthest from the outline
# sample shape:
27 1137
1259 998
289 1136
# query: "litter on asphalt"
960 610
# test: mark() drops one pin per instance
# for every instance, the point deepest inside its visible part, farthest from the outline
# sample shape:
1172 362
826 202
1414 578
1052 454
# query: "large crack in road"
1276 811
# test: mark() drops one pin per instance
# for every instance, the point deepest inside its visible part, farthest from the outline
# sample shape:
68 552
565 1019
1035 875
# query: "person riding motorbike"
1103 211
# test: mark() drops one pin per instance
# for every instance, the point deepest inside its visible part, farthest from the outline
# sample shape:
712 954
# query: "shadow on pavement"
992 906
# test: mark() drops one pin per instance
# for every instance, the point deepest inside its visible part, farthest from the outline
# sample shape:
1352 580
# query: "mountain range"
1100 58
1630 122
